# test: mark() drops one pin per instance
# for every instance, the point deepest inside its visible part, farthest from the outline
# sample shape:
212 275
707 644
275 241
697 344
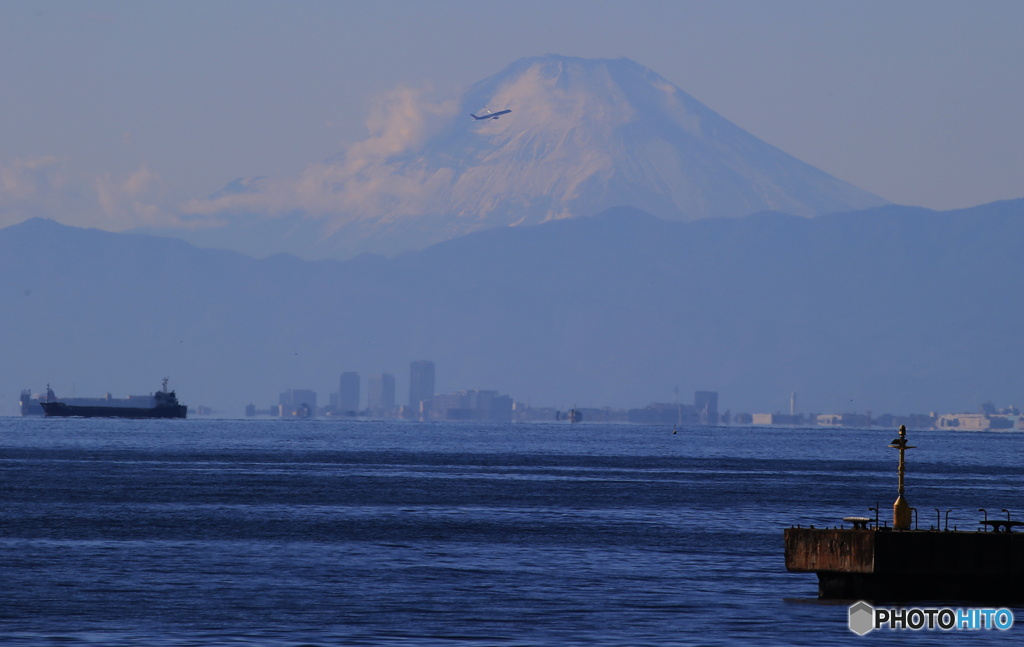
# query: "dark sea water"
232 532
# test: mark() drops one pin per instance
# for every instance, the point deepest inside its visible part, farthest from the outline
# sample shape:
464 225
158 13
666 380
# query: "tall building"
421 382
348 394
380 392
706 402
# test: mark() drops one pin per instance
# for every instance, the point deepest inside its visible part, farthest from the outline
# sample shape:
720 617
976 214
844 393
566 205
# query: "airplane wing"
490 115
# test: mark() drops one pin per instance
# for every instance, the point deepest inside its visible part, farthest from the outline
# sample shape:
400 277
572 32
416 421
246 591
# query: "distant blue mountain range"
890 309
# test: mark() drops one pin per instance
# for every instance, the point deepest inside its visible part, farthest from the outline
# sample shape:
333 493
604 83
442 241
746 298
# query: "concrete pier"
899 565
869 562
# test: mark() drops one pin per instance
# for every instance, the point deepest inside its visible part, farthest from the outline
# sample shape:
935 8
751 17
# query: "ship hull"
61 410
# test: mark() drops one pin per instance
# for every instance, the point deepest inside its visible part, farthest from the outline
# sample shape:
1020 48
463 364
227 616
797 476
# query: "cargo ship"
162 404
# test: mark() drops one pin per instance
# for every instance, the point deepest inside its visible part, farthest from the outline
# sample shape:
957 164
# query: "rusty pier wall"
909 564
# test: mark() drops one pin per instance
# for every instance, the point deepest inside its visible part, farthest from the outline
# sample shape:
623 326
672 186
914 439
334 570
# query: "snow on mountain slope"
583 135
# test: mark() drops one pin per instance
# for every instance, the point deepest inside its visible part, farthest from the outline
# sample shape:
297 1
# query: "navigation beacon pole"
901 509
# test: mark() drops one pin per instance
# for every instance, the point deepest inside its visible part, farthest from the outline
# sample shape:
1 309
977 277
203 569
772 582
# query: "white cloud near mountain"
132 200
364 180
385 177
45 186
32 184
582 136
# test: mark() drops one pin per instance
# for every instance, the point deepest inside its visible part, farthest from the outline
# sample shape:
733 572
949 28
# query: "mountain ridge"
891 309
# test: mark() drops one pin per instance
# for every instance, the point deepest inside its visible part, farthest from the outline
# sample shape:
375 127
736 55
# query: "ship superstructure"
162 404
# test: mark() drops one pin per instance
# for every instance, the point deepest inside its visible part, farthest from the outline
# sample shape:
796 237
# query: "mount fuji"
582 136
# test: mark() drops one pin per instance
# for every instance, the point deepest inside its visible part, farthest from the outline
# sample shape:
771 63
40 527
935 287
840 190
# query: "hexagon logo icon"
862 618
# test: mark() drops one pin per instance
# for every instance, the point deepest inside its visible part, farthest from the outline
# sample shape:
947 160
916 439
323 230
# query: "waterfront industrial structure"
919 421
297 403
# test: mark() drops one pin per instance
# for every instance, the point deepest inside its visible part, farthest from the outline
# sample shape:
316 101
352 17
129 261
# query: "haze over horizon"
119 114
884 310
776 147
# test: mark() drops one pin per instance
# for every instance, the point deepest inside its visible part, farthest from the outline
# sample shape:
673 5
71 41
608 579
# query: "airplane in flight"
489 115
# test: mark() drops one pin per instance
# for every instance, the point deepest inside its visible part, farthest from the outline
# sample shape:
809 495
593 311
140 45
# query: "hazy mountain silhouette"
893 308
583 136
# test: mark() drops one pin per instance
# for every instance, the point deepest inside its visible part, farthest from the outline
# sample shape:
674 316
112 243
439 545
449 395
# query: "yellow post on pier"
901 509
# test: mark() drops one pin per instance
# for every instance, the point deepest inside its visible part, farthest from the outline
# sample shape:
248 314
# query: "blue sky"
117 112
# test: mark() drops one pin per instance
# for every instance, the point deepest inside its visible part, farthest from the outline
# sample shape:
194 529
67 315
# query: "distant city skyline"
853 312
491 406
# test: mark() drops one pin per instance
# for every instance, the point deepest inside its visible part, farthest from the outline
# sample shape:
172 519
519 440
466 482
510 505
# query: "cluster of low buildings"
482 405
492 406
988 418
425 404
